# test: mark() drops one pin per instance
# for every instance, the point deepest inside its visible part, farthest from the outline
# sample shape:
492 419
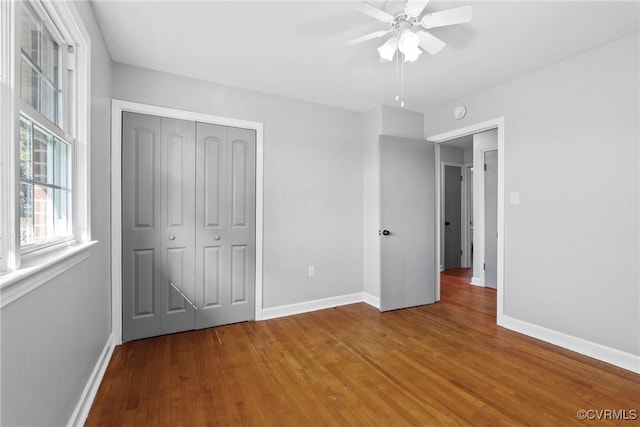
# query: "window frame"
38 265
35 125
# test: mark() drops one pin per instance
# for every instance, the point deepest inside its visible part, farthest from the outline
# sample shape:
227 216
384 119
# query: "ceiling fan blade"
369 36
415 7
430 43
458 15
380 15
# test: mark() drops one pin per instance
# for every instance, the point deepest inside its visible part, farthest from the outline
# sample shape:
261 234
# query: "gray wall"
401 122
571 150
312 179
451 154
468 155
53 336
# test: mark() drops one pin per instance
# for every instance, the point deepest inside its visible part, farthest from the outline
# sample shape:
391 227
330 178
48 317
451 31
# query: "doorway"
497 125
254 284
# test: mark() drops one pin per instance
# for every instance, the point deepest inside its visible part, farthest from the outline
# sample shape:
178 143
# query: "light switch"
514 198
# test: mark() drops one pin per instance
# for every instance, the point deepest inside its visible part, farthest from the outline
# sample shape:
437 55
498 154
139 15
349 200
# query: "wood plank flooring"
441 364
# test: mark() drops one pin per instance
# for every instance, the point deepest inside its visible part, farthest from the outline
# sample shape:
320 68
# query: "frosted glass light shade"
388 49
412 54
408 41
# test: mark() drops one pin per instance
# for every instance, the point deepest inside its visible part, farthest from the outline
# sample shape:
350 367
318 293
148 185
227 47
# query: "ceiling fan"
403 37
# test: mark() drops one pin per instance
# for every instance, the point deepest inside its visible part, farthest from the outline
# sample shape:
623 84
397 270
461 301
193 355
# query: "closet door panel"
141 158
177 234
212 275
241 207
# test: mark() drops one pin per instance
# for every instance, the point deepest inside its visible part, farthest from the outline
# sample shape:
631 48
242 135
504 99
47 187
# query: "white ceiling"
297 49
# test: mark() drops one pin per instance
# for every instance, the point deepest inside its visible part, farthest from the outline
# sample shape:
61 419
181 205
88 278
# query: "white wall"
389 121
571 150
312 180
53 336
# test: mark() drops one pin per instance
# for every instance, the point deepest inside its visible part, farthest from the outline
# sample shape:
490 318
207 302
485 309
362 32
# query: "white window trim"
8 126
20 274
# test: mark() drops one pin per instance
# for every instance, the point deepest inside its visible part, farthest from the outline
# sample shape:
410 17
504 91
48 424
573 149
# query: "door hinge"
485 166
484 266
461 178
460 252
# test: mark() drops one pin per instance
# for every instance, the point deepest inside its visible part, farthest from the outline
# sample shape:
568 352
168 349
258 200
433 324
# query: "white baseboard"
371 300
476 281
609 355
304 307
81 412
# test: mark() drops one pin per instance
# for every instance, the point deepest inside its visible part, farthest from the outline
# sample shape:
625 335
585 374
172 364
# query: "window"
39 66
45 194
45 147
44 131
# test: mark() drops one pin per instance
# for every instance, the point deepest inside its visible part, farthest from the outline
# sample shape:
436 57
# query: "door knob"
447 223
386 232
172 237
217 238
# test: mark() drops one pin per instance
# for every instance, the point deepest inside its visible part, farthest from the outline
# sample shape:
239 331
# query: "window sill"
39 270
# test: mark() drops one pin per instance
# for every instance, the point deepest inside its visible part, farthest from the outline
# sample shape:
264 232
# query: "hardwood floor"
441 364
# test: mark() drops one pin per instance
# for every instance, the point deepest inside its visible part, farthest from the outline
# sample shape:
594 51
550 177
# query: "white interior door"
491 219
407 215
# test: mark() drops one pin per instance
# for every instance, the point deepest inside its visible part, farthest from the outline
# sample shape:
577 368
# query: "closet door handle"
172 237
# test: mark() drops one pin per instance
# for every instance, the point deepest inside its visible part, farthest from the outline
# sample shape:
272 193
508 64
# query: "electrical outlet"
312 270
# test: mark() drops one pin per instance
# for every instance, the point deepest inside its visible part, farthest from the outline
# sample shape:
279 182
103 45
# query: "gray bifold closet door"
188 223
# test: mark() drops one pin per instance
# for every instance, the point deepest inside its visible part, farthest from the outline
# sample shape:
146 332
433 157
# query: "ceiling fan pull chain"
397 76
402 82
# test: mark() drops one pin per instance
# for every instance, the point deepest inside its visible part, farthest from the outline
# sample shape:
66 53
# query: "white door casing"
482 142
499 125
490 218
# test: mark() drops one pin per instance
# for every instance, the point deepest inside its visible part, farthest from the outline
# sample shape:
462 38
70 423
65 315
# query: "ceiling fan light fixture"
412 54
408 41
388 49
